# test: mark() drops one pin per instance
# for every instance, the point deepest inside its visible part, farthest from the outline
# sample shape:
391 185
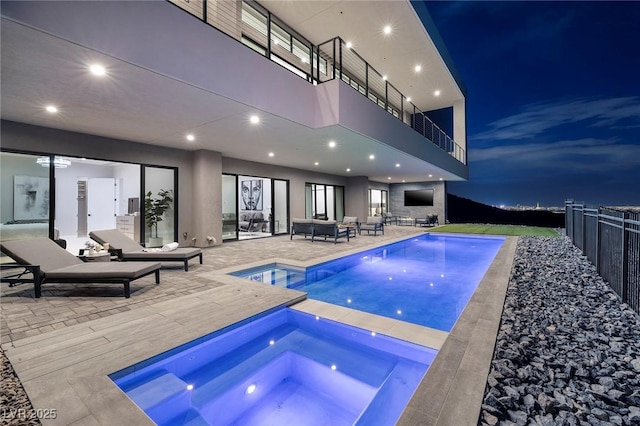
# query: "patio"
63 345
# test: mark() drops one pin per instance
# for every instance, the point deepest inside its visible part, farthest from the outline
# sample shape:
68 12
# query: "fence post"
584 229
598 241
625 257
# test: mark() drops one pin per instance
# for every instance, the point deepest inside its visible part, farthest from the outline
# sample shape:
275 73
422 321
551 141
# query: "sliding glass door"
324 201
159 211
229 208
26 200
378 202
280 215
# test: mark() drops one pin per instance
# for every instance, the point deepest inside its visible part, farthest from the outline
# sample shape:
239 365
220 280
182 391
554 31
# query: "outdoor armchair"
373 223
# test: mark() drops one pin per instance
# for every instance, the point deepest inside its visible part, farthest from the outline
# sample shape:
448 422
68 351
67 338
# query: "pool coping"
67 369
452 390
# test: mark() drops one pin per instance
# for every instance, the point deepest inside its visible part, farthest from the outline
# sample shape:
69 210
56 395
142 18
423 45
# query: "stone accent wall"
396 200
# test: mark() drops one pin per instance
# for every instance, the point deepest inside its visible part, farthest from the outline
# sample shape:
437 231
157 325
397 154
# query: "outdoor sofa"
50 263
319 228
126 249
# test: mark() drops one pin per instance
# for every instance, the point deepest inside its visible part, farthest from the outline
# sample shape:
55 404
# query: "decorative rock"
568 350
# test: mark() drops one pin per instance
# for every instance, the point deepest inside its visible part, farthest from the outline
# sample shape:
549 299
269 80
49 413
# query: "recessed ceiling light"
332 144
389 178
348 170
436 93
316 163
349 45
430 175
271 154
384 77
403 181
371 157
190 137
97 69
440 178
51 109
254 119
418 68
409 99
387 29
397 164
305 60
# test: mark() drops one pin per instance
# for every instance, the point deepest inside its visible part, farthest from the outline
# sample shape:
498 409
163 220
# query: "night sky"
553 99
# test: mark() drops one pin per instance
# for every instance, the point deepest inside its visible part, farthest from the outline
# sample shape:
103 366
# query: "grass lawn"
516 230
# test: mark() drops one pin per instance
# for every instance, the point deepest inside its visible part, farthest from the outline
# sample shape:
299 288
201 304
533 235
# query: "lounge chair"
127 249
50 263
373 223
430 220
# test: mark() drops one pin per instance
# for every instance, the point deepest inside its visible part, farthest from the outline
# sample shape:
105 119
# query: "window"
253 45
280 37
301 50
254 19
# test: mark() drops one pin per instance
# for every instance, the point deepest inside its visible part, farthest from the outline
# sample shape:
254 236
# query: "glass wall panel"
375 202
339 190
280 207
229 208
320 207
330 203
160 199
308 201
25 198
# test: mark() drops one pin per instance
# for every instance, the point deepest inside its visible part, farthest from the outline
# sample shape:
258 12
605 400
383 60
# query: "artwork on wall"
30 198
251 191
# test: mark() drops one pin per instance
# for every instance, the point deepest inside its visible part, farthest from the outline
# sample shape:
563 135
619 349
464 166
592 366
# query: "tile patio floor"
63 345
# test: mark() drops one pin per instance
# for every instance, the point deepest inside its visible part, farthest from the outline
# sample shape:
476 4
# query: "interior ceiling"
39 69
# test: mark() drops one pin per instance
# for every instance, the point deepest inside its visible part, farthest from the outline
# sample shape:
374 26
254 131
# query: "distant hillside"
463 210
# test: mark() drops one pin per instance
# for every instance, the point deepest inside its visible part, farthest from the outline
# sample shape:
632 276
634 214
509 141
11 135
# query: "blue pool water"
284 368
426 280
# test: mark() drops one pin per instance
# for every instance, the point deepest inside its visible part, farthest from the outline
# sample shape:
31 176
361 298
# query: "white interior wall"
67 192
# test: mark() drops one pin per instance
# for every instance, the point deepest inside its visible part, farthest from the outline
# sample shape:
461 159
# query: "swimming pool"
426 280
284 368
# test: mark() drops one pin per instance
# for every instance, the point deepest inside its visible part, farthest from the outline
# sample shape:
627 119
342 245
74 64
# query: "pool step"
166 399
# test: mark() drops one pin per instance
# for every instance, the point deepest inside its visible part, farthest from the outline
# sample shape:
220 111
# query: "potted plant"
154 209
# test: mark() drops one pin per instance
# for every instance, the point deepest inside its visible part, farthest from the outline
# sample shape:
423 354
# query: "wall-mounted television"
418 197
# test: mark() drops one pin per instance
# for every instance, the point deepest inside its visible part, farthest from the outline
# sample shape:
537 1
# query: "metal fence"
610 239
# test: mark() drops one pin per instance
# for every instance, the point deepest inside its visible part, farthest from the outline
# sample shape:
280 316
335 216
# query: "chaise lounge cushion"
134 251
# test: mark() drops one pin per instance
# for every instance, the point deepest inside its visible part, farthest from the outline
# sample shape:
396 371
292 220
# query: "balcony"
333 59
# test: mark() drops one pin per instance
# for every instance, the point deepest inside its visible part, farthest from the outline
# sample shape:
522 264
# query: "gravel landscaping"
568 349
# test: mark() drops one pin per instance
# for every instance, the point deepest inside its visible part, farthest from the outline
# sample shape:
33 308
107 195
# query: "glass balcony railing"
334 60
257 28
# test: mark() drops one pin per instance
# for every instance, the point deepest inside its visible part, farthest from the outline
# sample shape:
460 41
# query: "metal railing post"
340 52
625 257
